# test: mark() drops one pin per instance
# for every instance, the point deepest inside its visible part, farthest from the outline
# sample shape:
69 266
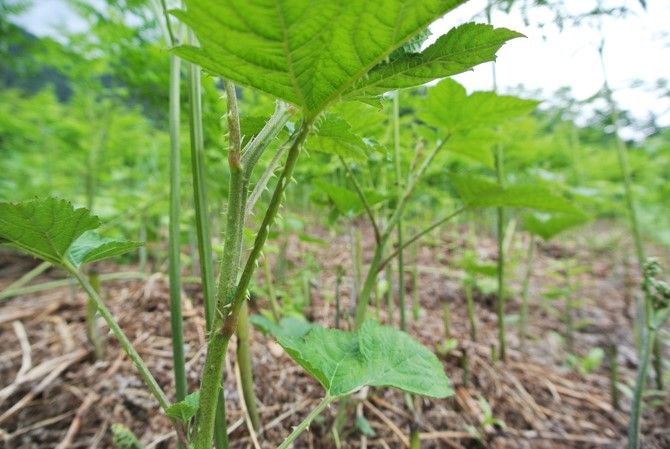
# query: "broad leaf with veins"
313 52
459 50
55 231
375 355
450 109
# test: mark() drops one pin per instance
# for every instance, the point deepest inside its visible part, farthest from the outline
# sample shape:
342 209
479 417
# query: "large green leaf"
307 52
476 191
334 136
55 231
459 50
548 226
376 355
449 108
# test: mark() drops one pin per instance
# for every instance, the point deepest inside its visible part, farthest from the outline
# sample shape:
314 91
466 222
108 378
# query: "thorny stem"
363 198
304 425
202 229
229 305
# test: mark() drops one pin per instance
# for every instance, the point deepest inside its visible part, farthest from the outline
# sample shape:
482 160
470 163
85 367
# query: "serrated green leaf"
548 226
186 409
307 52
376 355
44 228
334 135
55 231
448 107
476 192
459 50
91 247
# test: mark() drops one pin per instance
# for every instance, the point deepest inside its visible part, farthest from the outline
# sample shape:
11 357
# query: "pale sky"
637 48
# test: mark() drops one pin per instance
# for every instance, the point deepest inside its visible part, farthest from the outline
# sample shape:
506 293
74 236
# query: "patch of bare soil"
53 393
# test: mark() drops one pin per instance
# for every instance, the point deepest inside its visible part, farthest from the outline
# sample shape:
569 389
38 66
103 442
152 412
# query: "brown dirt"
542 402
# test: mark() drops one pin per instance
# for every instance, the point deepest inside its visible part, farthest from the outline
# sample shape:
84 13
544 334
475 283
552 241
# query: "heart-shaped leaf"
308 52
375 355
55 231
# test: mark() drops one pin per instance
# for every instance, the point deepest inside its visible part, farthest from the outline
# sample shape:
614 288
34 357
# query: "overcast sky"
637 48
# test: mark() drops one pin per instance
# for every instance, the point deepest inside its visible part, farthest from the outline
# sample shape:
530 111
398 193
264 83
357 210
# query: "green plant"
310 76
56 232
313 60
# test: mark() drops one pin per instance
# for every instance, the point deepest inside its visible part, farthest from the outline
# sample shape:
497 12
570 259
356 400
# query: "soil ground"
54 393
